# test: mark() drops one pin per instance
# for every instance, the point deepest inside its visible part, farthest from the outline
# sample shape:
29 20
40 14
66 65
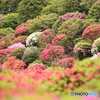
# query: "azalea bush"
22 29
94 11
18 39
4 53
9 20
8 6
30 11
51 53
16 45
5 31
62 6
87 4
37 66
30 55
2 44
65 62
83 49
92 32
42 22
59 40
68 16
8 39
71 27
13 63
18 52
73 15
45 38
32 39
96 46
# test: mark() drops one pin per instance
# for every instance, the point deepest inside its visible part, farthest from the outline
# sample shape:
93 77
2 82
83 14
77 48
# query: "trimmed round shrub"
96 46
16 45
51 53
66 62
30 54
18 52
43 22
94 12
18 39
9 20
45 38
29 9
2 44
62 6
12 63
5 31
32 39
22 29
67 16
8 39
4 54
59 40
92 32
8 6
72 28
87 4
83 49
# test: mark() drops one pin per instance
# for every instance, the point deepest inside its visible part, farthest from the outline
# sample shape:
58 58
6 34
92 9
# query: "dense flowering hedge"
94 11
22 29
30 54
59 40
37 66
21 39
46 36
4 53
13 63
65 62
83 49
16 45
73 15
31 83
52 52
2 44
32 39
18 52
92 32
8 39
5 31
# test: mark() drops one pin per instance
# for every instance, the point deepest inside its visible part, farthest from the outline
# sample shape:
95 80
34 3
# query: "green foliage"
89 22
8 6
5 31
41 23
55 6
9 20
18 52
29 9
8 39
94 12
30 55
83 49
73 29
87 4
62 6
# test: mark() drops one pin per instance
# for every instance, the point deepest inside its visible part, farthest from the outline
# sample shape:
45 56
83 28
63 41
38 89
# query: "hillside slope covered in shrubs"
49 48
